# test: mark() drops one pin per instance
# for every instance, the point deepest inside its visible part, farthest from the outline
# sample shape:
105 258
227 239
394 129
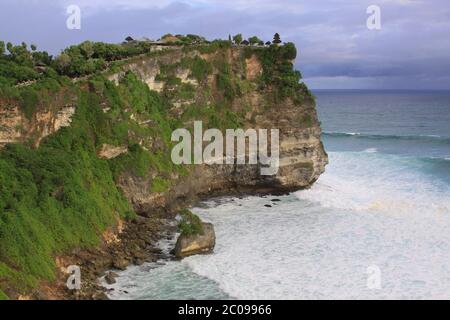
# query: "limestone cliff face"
302 156
15 127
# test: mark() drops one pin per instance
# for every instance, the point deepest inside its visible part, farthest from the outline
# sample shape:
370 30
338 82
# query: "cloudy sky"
336 49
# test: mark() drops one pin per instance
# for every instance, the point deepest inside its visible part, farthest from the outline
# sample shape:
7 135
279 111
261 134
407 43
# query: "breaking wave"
357 135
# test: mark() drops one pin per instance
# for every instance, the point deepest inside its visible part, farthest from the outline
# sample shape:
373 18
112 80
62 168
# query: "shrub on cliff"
200 68
18 64
55 197
90 57
213 46
254 40
279 72
237 39
29 102
289 51
62 195
190 223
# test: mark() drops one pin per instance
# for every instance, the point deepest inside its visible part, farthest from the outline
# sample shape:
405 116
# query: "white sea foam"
367 209
352 133
371 150
319 243
342 133
364 181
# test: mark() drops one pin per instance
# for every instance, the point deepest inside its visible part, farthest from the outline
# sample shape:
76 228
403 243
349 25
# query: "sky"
337 50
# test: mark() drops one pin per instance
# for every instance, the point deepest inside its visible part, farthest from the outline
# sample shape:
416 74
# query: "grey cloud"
411 49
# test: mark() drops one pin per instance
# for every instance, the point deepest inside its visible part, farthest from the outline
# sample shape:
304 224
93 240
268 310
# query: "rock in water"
110 278
120 263
188 245
100 296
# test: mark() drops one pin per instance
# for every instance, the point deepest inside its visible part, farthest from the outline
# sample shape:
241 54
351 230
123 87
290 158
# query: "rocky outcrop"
15 127
202 243
147 68
110 152
136 244
110 277
302 155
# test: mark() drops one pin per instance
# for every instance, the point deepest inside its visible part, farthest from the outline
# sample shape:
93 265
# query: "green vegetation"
180 39
211 47
190 223
254 40
237 38
29 102
90 57
136 161
61 195
3 296
21 64
160 185
55 197
306 120
199 67
279 72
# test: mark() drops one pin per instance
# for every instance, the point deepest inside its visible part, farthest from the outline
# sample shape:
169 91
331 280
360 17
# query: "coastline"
137 168
135 244
130 243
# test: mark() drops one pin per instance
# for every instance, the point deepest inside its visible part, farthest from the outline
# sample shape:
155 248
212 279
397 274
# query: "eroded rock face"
253 68
15 127
302 155
188 245
110 152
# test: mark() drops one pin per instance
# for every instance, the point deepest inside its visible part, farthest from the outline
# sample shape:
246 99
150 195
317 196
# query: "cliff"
302 157
83 161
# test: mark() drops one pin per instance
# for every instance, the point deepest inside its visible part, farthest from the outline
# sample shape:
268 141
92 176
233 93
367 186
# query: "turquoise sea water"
383 202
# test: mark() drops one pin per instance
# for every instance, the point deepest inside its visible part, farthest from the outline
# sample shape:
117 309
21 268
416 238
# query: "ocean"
376 225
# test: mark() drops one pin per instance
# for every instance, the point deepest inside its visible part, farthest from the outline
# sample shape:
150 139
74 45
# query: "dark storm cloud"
335 48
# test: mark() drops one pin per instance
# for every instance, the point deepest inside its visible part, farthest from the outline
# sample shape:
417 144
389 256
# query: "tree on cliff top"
289 51
237 38
254 40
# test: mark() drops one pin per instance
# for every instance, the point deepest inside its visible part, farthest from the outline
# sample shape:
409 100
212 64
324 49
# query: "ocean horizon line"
380 90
